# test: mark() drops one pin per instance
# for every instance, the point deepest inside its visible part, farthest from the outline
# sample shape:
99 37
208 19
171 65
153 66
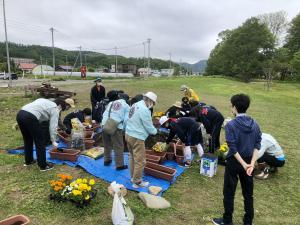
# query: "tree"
293 36
277 23
295 62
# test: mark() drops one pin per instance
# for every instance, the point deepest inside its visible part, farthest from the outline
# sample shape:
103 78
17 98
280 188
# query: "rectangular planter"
65 154
152 158
64 136
162 155
18 220
160 171
171 151
180 145
179 155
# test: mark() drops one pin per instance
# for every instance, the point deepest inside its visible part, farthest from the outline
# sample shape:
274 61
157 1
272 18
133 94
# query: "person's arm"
257 147
241 161
54 115
93 100
147 122
170 136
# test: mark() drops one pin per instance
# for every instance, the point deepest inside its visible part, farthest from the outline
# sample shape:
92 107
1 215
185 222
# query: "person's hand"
249 170
209 136
55 144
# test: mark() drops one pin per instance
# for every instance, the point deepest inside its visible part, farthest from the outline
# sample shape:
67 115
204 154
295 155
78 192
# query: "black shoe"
107 163
124 167
220 221
273 169
49 166
29 164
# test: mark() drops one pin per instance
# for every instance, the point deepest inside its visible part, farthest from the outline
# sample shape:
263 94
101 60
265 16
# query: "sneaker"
29 164
124 167
220 221
263 175
273 169
107 163
140 184
49 166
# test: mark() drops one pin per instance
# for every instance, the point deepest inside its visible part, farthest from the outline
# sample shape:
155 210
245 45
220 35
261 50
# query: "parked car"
5 76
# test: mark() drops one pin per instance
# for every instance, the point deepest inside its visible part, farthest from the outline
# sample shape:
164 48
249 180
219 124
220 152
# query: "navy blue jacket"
67 120
242 135
97 96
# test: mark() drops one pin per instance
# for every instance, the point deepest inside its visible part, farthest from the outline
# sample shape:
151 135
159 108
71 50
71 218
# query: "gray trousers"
114 142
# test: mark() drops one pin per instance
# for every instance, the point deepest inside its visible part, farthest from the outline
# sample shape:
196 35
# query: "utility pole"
53 55
144 43
85 61
80 56
116 64
47 66
7 50
41 61
67 64
180 62
148 72
170 54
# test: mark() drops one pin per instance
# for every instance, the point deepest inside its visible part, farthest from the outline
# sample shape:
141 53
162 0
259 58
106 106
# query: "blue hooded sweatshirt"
242 135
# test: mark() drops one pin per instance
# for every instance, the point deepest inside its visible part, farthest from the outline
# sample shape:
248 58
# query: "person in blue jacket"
118 111
243 137
138 127
188 131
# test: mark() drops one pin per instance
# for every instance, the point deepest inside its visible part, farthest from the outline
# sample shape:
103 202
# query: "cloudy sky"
187 29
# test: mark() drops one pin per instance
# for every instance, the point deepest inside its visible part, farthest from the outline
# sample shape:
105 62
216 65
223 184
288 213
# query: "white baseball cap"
163 119
151 96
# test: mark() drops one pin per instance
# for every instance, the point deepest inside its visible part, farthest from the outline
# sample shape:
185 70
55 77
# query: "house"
27 67
125 68
167 72
63 68
42 70
17 61
142 72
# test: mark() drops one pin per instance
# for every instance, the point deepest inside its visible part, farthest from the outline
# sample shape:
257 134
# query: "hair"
194 103
185 99
112 95
136 98
62 103
241 102
87 111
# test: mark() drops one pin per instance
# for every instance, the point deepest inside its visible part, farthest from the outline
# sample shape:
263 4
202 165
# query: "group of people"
129 122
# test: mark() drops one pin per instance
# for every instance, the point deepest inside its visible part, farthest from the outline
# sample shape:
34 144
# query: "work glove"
55 144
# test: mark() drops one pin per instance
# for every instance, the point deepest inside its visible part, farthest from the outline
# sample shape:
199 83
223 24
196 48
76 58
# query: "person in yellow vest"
189 93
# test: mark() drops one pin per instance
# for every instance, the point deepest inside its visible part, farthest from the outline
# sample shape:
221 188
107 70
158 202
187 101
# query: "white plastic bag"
121 213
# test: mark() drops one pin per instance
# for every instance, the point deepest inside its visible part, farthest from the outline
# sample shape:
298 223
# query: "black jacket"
209 117
67 120
97 96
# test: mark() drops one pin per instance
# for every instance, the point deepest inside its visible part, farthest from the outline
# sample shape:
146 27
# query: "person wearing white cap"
189 93
188 131
29 119
138 127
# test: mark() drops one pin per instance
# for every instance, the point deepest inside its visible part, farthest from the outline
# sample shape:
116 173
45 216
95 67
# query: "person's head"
87 112
124 97
183 88
136 98
65 104
239 103
98 82
150 99
177 104
113 95
164 121
185 100
194 103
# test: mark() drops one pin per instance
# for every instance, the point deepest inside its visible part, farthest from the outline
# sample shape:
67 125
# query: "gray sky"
186 28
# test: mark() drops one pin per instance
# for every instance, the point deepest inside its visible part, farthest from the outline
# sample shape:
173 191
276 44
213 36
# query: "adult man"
188 131
212 121
97 95
29 119
79 114
118 111
189 93
138 128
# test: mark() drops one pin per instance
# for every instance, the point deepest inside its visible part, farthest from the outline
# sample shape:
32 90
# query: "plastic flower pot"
162 155
152 158
179 155
15 220
64 154
171 151
64 137
89 143
159 171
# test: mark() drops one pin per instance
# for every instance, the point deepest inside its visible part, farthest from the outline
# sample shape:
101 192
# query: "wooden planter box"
89 143
162 155
159 171
65 154
17 220
152 158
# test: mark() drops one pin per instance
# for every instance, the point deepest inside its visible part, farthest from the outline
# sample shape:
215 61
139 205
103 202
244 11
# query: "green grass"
195 199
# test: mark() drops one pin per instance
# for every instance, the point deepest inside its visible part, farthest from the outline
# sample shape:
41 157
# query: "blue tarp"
110 174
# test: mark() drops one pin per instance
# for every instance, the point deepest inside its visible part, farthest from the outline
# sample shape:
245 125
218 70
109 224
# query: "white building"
42 70
167 72
144 72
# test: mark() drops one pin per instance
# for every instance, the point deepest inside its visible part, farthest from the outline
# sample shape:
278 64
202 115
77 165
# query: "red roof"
27 66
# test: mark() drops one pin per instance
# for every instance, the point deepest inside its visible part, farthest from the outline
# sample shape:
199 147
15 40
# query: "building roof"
27 66
65 67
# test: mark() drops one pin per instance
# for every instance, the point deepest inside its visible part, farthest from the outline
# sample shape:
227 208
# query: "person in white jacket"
29 118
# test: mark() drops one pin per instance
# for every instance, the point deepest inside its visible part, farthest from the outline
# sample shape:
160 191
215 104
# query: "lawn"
195 199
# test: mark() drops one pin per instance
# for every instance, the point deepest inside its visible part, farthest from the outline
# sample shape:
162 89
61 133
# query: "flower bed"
79 191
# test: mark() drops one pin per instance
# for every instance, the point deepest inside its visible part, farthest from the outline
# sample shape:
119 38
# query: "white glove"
182 113
55 144
93 121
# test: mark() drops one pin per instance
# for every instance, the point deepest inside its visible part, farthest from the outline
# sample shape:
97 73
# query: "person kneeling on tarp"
188 131
79 114
272 158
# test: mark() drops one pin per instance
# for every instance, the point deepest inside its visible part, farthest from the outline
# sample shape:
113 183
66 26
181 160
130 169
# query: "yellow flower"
84 181
87 197
92 182
72 184
88 188
76 192
82 187
79 181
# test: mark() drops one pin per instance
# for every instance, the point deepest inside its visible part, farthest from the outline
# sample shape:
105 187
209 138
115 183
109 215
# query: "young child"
243 136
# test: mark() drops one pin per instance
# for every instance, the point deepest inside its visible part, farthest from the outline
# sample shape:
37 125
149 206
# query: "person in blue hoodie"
138 127
118 111
243 137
